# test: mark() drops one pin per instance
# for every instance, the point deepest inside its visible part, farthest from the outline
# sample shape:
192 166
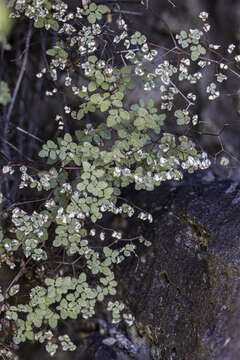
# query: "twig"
130 202
28 133
125 240
181 93
19 80
24 203
14 148
172 3
128 12
69 263
17 277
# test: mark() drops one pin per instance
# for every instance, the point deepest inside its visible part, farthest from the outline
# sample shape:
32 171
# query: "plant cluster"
117 144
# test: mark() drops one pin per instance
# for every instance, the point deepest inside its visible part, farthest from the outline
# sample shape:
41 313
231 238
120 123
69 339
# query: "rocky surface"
185 292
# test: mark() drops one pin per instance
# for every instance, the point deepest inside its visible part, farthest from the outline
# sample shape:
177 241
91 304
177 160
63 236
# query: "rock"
185 292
